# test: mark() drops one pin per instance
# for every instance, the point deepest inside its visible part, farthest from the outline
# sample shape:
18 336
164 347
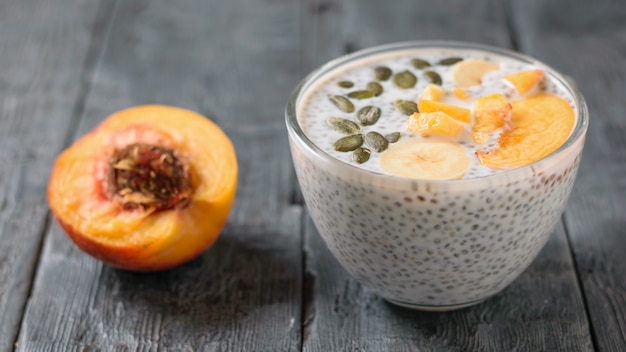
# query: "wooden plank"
541 310
235 62
588 42
333 28
47 50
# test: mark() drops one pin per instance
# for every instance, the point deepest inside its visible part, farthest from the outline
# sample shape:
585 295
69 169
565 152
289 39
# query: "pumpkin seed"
450 61
420 63
349 143
368 115
382 73
345 84
361 155
377 141
434 77
393 137
405 106
342 103
361 94
376 88
342 125
405 79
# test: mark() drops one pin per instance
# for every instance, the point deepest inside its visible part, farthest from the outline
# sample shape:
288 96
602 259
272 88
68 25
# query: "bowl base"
439 308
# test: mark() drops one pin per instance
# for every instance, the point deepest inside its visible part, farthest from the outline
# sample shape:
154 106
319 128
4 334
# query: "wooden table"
269 283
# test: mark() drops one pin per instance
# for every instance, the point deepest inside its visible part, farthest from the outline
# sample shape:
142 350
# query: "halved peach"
150 188
525 80
457 112
490 113
539 125
438 123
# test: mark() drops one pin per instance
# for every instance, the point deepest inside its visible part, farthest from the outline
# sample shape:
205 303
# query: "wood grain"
588 42
47 55
237 64
332 28
269 283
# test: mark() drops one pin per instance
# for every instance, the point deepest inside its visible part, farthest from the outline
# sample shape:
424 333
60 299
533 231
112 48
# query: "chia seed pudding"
427 244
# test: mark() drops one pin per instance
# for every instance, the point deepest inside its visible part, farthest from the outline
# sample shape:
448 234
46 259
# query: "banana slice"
469 73
426 159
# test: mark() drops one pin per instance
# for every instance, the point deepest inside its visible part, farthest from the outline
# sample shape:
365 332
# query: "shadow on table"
230 281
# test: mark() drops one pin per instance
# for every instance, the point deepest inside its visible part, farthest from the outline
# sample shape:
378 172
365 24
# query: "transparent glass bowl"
434 245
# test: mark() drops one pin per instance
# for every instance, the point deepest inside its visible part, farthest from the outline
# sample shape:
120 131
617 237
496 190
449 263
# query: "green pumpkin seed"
450 61
393 137
405 106
361 155
382 73
349 143
344 126
434 77
420 63
376 88
342 103
361 94
345 84
368 115
405 79
377 141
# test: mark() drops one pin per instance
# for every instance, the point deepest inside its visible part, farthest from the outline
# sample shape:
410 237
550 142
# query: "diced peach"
438 123
539 125
525 80
432 92
490 113
457 112
460 93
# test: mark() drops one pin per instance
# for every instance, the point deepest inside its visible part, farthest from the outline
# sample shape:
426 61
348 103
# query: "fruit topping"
539 125
437 123
432 92
490 114
427 159
457 112
461 93
524 81
469 73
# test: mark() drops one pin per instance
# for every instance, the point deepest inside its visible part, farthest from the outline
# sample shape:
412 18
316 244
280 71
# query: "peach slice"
437 122
525 80
461 93
457 112
539 125
432 92
150 188
490 113
469 73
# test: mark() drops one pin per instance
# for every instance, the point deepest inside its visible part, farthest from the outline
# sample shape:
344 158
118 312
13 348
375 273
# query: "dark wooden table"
269 283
